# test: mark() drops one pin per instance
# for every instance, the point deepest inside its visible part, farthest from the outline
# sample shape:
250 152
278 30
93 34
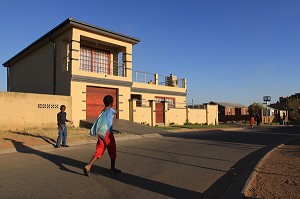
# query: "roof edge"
132 39
73 22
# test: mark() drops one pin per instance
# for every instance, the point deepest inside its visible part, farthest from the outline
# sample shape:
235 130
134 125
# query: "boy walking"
62 128
283 119
108 141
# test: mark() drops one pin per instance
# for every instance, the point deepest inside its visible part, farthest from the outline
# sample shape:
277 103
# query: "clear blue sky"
229 50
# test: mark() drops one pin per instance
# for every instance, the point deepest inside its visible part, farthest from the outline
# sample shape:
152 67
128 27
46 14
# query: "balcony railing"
115 68
150 78
119 69
142 77
103 66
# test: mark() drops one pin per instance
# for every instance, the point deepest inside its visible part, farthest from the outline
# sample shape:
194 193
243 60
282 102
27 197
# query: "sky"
228 50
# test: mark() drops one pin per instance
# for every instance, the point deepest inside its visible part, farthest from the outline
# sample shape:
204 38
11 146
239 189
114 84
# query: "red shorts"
107 142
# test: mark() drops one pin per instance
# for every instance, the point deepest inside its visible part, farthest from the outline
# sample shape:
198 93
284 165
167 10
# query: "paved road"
175 165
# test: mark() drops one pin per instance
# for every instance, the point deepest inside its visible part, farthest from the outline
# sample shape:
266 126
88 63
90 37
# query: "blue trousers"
62 135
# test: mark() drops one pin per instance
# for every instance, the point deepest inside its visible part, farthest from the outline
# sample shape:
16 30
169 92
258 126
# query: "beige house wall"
79 35
150 91
154 88
78 92
176 116
24 110
34 73
63 65
212 114
142 115
197 116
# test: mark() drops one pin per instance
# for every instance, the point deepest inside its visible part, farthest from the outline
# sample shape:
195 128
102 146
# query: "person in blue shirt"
62 128
108 141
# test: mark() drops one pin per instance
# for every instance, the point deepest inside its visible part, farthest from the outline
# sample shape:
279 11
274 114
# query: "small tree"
294 109
255 108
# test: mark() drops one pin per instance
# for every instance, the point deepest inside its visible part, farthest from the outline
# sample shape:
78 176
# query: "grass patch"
74 133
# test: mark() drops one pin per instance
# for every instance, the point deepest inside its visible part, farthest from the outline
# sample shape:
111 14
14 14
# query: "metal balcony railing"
119 69
150 78
115 68
103 66
143 77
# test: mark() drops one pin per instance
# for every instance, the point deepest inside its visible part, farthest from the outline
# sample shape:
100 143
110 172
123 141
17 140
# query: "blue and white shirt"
110 112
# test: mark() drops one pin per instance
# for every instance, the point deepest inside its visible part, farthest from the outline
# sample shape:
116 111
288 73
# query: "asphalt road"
206 164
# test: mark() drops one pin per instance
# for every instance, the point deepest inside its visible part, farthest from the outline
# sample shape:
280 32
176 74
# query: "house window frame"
170 100
138 98
95 60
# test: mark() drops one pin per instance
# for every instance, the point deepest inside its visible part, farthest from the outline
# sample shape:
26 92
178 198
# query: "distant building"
231 111
289 98
226 108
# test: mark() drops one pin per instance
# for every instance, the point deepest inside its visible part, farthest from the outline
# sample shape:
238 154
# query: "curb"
246 186
47 147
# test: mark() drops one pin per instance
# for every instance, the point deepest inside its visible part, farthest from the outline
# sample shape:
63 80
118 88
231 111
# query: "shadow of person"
60 161
45 138
133 180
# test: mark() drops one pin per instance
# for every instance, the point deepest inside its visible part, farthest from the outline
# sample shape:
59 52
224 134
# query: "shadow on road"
234 179
230 185
60 161
133 180
45 138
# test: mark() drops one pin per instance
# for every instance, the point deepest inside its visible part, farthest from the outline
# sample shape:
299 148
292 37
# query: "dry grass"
40 136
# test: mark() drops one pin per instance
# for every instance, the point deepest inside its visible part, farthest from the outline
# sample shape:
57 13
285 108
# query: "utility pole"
266 100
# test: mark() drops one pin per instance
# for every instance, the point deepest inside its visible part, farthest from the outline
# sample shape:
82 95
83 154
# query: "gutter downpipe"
54 64
7 79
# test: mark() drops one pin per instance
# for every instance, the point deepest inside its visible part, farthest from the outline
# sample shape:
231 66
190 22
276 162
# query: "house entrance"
160 116
94 100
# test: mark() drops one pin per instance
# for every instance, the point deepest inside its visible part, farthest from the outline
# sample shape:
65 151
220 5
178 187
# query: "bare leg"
87 168
90 164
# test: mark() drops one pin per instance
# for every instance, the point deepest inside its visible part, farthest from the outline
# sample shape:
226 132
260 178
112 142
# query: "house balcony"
151 78
115 68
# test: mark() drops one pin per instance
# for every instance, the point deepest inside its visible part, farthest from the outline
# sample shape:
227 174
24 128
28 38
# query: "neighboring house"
87 62
231 111
296 96
226 108
277 110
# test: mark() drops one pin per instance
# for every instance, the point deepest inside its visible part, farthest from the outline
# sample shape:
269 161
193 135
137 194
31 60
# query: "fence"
145 112
25 110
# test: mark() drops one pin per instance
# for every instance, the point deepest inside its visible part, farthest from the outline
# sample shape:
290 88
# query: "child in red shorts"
107 142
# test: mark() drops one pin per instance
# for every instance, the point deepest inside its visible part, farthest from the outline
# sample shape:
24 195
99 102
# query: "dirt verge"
278 174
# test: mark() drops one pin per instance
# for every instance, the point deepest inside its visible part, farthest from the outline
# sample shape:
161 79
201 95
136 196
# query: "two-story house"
87 62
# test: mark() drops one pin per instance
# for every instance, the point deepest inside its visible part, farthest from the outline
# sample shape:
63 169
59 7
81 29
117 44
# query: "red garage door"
94 100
